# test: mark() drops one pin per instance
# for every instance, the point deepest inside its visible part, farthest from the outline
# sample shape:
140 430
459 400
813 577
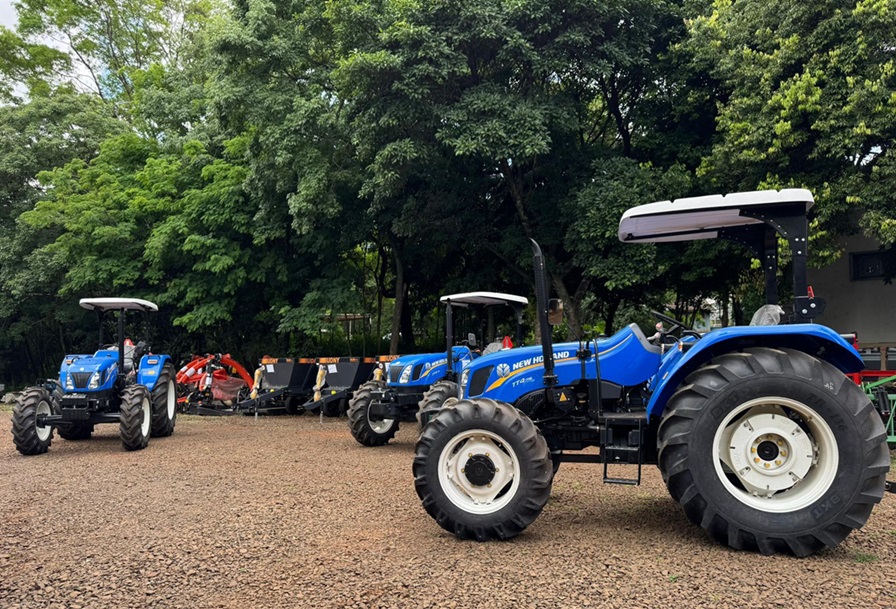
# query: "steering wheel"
669 320
675 325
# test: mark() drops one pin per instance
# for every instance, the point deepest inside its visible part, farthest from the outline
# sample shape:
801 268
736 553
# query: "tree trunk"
610 317
399 302
407 342
571 310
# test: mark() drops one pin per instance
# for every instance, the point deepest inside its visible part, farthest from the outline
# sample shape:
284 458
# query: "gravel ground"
291 512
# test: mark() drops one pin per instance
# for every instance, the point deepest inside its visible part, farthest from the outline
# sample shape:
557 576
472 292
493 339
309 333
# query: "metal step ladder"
621 422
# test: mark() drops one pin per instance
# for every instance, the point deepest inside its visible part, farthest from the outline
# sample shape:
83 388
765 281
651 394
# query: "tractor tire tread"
162 426
434 398
131 417
688 403
357 417
24 425
511 520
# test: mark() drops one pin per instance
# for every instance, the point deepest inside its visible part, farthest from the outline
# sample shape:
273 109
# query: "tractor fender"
150 368
814 339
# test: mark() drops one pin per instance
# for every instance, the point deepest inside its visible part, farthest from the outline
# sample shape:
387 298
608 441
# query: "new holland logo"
503 370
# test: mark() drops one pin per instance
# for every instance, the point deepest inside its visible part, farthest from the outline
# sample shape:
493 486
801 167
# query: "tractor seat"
129 363
767 315
493 348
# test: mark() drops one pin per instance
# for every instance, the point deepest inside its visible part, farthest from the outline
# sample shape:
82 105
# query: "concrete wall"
865 306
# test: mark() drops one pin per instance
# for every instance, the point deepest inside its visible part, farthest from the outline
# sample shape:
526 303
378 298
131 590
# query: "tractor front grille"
80 379
394 373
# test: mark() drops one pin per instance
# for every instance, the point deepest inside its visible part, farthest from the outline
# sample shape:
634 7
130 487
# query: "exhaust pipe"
541 297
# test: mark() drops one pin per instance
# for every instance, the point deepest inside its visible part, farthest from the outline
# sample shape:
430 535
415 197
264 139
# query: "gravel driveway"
288 512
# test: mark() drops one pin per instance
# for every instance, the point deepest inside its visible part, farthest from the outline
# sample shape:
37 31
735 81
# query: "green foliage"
260 167
809 100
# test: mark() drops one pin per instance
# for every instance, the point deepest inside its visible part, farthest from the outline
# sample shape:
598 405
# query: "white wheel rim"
381 426
43 431
172 400
775 454
147 414
482 446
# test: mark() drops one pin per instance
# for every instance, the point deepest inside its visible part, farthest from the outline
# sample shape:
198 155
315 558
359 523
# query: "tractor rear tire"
365 431
164 403
434 399
136 417
773 450
27 436
482 470
75 431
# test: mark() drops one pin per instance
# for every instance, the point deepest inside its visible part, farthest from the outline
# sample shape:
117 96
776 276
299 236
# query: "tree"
111 41
51 130
808 101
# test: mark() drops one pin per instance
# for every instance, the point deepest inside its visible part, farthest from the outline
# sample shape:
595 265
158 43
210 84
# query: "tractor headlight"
464 377
405 374
69 383
94 381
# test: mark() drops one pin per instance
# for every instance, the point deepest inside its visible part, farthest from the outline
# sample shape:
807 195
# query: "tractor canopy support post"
790 222
121 313
763 242
99 322
541 296
449 339
770 265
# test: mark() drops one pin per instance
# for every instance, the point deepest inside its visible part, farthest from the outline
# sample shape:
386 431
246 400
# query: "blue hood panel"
426 368
625 359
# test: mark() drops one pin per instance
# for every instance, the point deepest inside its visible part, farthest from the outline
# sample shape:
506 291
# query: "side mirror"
555 312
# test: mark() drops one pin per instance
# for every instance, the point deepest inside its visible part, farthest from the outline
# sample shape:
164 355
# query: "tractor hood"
425 368
89 372
627 358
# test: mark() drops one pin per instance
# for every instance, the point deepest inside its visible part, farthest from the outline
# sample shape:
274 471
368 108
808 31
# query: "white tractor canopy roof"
116 304
484 298
703 217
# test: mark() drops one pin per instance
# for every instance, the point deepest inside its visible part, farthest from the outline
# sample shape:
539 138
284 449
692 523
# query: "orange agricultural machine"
213 384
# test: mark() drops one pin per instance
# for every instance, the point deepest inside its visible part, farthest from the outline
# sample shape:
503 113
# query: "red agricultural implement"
213 384
216 384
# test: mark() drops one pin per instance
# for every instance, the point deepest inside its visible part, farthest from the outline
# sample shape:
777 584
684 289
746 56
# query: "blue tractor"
120 383
758 433
422 381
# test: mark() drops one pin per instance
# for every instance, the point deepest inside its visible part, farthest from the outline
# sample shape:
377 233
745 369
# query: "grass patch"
861 557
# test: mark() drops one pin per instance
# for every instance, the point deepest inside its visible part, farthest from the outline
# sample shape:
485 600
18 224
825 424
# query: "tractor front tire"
482 470
29 438
773 450
434 399
164 403
75 431
135 420
365 431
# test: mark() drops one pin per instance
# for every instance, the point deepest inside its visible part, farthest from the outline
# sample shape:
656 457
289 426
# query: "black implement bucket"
286 372
344 375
